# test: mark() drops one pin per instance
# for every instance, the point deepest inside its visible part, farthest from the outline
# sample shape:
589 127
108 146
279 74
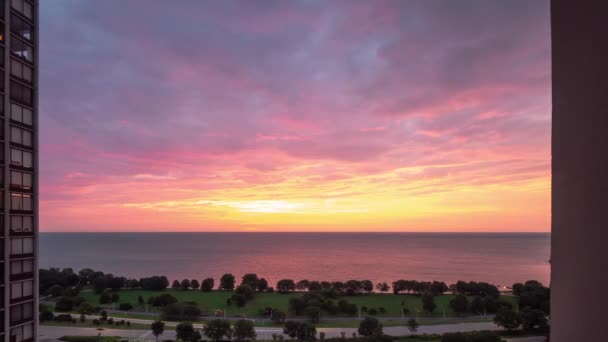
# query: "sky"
295 115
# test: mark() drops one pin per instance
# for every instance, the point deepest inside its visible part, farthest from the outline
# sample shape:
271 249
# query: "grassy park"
217 300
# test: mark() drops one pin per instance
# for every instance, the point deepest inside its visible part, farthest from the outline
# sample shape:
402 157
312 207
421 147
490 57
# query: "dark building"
19 175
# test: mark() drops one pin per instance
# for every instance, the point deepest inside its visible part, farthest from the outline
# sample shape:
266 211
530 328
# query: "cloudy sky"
295 115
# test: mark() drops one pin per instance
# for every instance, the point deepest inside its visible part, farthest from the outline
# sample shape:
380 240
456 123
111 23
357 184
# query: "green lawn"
216 300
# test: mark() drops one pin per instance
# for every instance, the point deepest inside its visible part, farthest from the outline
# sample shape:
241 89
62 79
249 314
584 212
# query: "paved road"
53 332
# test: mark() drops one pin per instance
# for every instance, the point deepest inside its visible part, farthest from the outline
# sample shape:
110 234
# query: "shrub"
46 315
125 306
370 327
180 312
63 318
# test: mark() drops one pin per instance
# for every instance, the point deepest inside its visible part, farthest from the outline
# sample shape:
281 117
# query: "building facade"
19 175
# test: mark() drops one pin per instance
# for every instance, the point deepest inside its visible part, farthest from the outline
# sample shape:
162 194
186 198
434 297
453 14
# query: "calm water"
502 259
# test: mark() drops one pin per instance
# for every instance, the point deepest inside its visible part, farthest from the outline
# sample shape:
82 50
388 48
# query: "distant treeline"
54 281
318 296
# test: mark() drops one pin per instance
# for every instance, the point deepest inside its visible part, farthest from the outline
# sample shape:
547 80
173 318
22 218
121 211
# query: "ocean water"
501 259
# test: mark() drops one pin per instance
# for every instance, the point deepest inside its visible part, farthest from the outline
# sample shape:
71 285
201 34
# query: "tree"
157 327
251 280
238 299
367 286
291 329
185 331
55 290
217 329
85 308
244 330
313 312
302 285
507 319
286 285
99 284
533 319
370 326
176 285
307 332
246 291
277 316
207 285
382 287
185 284
262 285
105 298
428 302
459 303
227 282
478 305
194 284
140 300
412 324
438 287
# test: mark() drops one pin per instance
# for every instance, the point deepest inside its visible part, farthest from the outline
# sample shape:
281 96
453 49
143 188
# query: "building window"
21 136
22 28
22 71
22 50
22 224
21 114
21 158
21 180
22 312
23 7
22 267
21 202
22 289
23 333
21 94
21 246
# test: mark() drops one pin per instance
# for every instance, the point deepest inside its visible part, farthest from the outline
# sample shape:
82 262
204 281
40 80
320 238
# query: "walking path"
54 332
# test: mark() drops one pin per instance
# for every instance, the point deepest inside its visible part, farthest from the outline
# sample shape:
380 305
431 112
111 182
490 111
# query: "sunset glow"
295 116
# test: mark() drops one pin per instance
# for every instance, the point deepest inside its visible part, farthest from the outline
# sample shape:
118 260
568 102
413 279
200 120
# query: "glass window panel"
16 291
16 313
16 112
28 331
16 246
28 246
28 266
27 159
28 223
27 117
28 288
15 135
26 138
16 157
16 201
16 267
28 203
27 181
16 223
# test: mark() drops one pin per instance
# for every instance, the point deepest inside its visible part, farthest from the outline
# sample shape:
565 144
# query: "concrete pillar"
579 246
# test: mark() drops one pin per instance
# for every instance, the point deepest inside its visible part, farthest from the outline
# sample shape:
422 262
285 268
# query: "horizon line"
311 232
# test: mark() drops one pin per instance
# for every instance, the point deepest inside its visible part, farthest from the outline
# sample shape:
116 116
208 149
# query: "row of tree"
53 281
243 330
